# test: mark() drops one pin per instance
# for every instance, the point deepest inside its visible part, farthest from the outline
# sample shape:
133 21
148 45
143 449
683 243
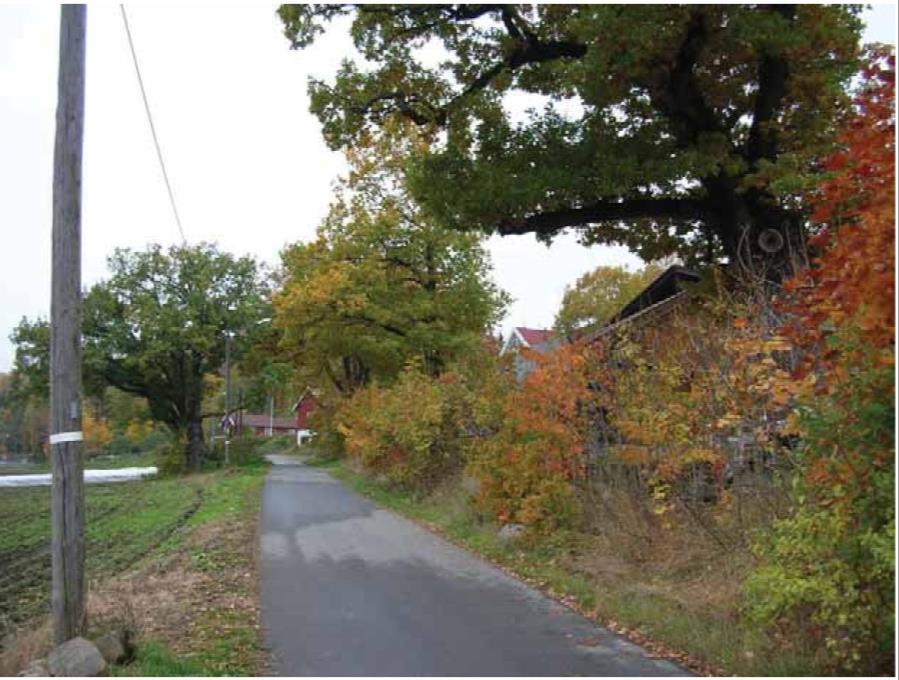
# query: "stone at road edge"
510 532
111 647
77 657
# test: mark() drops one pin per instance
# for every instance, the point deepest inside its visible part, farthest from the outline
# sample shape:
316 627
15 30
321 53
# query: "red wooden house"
266 425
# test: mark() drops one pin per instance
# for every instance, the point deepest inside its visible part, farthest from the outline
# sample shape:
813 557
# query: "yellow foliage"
96 432
680 392
138 429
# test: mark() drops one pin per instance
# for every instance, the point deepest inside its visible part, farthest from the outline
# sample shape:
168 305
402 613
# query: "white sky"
245 157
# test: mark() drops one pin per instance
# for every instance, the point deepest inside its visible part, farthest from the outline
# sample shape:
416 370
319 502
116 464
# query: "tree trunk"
195 447
433 363
764 242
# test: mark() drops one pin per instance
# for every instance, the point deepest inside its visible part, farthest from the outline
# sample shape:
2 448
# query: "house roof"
263 420
660 297
308 393
665 285
534 336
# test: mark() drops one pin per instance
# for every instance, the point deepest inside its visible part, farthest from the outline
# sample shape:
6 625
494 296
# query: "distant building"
540 340
265 425
303 410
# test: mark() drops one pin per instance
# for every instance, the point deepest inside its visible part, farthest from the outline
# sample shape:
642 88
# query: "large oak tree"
667 128
156 328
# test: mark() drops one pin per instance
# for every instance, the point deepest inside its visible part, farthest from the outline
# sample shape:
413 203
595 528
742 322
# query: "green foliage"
247 451
263 373
31 370
154 439
24 391
169 458
827 579
661 127
121 408
155 328
282 443
120 445
327 442
154 659
828 571
599 294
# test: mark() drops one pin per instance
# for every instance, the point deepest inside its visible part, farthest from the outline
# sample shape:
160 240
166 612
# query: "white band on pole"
62 437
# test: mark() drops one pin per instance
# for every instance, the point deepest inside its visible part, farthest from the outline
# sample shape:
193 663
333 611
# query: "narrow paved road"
351 589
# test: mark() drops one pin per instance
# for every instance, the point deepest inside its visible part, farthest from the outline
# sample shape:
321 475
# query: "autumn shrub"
695 411
410 432
97 433
247 450
828 571
527 469
169 458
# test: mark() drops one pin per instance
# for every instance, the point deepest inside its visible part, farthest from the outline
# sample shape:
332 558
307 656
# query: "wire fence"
123 522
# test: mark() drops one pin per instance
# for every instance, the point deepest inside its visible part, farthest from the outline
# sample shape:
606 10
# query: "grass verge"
670 617
186 587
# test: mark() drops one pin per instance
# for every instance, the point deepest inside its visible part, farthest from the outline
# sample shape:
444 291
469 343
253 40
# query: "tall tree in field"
381 285
599 294
666 128
157 327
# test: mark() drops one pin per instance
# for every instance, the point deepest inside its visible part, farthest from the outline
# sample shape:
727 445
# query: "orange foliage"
853 280
96 432
843 309
527 468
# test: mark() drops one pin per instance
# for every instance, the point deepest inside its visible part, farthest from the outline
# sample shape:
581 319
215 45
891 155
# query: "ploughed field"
124 522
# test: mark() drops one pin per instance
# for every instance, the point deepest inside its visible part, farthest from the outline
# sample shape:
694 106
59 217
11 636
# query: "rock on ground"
510 532
77 657
112 647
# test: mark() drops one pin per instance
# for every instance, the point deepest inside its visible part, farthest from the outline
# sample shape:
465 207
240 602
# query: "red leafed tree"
853 279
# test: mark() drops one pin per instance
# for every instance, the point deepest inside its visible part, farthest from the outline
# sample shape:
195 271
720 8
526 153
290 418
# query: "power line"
143 92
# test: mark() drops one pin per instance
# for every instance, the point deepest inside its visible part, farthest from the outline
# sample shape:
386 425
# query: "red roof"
535 336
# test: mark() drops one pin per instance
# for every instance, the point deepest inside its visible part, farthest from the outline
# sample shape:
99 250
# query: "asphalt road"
351 589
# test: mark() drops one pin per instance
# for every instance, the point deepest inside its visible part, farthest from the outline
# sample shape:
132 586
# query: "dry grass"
19 649
679 567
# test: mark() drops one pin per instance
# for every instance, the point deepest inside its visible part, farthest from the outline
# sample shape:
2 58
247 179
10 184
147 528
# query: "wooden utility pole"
67 505
228 397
